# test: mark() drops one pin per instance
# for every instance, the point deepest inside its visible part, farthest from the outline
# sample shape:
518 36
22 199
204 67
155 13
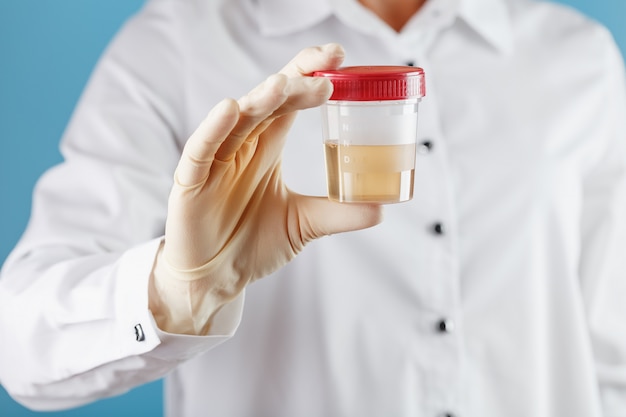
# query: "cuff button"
139 334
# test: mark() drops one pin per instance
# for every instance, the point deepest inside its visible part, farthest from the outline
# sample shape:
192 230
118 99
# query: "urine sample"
370 131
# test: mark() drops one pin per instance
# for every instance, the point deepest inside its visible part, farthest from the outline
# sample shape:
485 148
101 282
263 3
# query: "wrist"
181 304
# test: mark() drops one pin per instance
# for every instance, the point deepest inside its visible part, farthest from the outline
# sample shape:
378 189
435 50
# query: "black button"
445 325
139 335
410 64
425 147
438 229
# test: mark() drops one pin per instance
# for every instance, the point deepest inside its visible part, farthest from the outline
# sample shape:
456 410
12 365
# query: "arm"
76 285
93 264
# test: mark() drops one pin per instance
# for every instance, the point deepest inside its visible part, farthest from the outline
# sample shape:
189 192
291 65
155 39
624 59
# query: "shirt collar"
489 18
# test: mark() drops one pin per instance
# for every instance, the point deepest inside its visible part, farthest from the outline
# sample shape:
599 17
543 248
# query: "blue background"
47 51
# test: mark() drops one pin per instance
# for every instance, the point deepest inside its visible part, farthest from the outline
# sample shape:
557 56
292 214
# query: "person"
496 291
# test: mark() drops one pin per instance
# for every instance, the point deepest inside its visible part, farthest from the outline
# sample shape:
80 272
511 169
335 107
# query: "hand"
231 219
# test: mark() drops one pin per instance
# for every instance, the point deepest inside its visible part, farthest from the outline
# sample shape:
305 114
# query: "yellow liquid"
370 173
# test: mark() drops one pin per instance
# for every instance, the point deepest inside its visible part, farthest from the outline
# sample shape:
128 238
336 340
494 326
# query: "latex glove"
231 219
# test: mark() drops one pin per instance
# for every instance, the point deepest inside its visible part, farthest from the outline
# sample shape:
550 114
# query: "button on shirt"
525 175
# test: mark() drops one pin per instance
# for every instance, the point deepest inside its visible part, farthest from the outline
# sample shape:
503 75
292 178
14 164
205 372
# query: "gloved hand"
231 219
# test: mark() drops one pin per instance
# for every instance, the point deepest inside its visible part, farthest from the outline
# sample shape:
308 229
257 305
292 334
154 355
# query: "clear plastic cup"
370 132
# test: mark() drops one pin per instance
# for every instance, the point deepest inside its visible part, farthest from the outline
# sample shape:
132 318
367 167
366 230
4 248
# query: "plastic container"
370 132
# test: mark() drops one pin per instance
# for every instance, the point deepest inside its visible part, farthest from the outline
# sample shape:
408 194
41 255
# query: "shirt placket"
437 276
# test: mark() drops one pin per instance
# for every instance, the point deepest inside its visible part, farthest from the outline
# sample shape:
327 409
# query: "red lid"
373 83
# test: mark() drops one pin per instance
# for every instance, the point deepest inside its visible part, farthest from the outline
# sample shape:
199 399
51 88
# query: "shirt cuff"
183 347
140 333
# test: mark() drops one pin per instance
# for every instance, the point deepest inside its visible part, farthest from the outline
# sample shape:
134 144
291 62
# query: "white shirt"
512 306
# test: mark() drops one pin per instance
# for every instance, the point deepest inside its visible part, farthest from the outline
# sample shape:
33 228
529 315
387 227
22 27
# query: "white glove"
231 218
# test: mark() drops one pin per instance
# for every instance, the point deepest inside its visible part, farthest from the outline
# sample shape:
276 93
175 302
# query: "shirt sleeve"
603 251
74 319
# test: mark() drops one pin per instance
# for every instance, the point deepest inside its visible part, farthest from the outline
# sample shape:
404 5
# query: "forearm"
73 329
